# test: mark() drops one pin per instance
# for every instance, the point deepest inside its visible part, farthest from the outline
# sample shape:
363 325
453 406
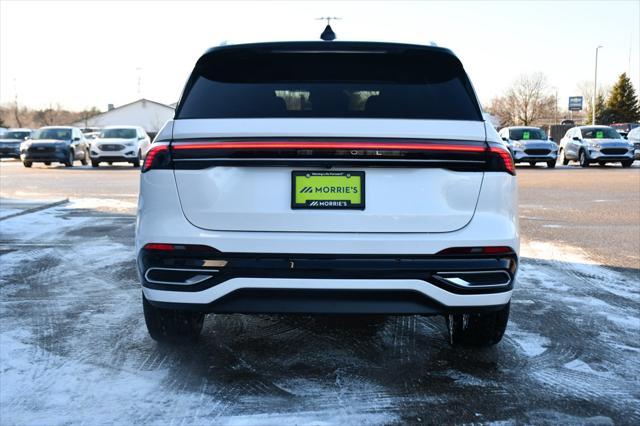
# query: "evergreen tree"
622 103
603 114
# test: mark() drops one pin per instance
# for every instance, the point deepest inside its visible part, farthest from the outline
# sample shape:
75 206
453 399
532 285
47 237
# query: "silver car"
530 145
634 137
595 144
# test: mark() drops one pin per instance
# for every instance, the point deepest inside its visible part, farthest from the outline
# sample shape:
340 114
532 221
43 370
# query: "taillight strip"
386 146
498 158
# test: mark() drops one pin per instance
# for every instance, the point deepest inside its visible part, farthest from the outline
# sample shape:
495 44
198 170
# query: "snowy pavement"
74 349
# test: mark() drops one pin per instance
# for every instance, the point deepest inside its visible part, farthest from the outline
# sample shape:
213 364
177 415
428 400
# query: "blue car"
61 144
11 140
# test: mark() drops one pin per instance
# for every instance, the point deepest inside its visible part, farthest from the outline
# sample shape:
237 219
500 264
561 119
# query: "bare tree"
527 100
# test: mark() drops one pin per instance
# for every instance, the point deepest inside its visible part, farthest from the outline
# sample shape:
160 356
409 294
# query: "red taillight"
154 155
192 248
505 158
159 246
477 250
388 146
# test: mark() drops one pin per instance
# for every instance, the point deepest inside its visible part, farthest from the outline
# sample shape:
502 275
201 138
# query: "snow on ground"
73 347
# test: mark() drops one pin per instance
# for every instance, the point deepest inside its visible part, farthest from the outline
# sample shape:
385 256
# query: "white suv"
328 177
119 144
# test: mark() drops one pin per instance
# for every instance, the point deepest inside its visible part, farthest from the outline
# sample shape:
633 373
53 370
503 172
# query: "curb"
36 209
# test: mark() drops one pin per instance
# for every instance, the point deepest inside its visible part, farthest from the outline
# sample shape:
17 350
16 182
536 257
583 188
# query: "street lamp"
595 89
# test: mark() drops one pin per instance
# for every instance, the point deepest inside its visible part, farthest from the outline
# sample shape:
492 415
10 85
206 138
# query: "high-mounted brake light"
158 155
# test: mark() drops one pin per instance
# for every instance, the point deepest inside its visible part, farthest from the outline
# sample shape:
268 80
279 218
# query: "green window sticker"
599 134
525 135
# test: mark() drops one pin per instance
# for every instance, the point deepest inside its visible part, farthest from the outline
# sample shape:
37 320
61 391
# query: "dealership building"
148 114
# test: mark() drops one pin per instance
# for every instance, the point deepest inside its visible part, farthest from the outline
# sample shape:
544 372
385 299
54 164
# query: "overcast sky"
91 53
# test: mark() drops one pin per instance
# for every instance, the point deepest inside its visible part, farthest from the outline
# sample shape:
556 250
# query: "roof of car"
594 125
120 127
329 46
523 127
19 129
58 127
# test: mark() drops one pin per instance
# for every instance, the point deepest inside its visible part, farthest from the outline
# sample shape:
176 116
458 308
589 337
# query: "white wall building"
143 112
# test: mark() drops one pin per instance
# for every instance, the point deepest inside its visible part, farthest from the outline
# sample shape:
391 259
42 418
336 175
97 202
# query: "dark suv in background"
10 142
62 144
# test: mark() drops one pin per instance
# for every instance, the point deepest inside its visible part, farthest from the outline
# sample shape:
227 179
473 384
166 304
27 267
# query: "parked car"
634 138
10 142
328 177
624 128
87 130
530 145
595 144
120 144
55 144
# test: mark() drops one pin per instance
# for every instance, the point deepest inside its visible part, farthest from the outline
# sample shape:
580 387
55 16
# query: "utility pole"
139 72
555 112
595 89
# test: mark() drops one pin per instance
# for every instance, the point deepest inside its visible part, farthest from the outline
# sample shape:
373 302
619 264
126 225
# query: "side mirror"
552 140
575 138
140 138
505 139
76 139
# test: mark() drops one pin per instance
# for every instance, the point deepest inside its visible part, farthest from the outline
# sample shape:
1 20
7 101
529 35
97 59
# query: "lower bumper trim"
316 301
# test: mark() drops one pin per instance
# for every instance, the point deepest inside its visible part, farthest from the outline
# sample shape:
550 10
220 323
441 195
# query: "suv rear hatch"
403 119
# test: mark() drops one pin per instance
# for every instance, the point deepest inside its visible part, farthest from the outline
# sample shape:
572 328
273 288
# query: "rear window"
526 134
289 84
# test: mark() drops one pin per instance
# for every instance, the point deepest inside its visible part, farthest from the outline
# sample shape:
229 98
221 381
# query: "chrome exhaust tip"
475 279
178 276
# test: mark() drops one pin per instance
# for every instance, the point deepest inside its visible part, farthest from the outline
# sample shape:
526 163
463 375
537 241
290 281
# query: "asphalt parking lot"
73 346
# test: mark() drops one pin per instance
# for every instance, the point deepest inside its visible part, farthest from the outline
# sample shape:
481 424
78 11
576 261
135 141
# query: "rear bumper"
382 272
296 283
251 300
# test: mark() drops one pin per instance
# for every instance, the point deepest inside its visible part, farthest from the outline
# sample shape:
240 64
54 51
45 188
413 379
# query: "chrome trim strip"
191 281
457 281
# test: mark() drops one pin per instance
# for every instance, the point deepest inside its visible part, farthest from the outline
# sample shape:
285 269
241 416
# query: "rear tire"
169 325
627 163
27 164
551 164
584 161
565 161
602 163
95 163
532 163
47 163
136 162
477 330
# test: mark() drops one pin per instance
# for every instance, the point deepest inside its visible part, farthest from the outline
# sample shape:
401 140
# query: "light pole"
595 89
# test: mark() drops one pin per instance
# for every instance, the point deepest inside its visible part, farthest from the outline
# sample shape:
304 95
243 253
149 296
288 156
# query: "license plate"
327 190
